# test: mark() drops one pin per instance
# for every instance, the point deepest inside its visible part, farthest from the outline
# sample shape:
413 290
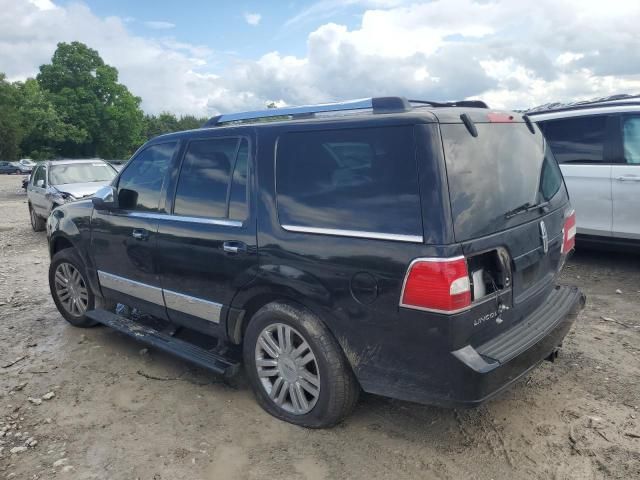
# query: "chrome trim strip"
181 218
139 290
193 306
355 233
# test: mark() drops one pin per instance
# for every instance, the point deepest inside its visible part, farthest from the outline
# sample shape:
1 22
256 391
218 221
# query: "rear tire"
308 385
70 289
37 222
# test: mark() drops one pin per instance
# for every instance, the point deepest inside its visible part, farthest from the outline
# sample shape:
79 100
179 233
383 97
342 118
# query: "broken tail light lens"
437 284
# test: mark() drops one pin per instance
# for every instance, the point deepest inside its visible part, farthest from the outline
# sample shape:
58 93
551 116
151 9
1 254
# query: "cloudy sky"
204 56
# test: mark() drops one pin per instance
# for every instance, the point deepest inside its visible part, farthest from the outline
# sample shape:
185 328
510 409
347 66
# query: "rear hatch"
508 205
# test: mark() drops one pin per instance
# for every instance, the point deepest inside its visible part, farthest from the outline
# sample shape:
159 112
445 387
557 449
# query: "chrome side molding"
198 307
139 290
355 233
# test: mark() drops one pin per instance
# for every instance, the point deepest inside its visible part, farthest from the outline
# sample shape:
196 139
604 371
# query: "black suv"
409 249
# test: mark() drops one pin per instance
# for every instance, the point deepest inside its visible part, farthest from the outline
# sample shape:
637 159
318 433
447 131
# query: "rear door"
580 146
513 247
626 182
207 245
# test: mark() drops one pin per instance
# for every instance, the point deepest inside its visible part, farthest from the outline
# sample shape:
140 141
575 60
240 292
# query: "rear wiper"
525 207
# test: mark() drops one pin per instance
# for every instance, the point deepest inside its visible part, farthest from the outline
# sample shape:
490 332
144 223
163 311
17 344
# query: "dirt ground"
119 413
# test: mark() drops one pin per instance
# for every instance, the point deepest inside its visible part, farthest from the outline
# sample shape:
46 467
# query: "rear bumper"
474 375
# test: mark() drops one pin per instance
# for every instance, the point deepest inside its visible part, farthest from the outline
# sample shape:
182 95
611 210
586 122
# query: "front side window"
39 175
352 179
205 177
577 140
631 137
140 185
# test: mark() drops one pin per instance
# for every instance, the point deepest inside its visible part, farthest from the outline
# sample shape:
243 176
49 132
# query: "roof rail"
458 103
611 101
377 104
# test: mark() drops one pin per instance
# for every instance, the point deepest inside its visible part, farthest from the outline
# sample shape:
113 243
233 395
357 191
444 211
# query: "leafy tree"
10 128
167 122
43 128
85 92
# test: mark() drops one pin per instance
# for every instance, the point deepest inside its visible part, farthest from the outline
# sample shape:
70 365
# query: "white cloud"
252 18
159 25
512 54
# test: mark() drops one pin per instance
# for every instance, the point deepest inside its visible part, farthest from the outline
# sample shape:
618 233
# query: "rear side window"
577 140
361 180
631 136
213 178
140 184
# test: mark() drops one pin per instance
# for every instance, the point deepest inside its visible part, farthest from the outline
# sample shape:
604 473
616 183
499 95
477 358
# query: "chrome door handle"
234 247
629 178
140 234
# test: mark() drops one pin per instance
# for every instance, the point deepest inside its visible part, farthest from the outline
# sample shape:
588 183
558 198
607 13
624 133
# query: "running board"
185 350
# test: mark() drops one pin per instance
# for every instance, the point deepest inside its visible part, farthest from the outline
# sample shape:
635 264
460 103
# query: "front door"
207 244
626 182
124 240
36 191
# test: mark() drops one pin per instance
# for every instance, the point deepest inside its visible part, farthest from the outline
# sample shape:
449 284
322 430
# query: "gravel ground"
92 404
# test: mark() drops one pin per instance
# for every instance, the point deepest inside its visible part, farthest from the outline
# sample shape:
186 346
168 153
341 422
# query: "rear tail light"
500 117
437 284
569 232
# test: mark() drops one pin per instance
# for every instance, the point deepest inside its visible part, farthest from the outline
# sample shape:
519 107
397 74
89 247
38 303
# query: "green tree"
106 117
43 128
167 122
11 131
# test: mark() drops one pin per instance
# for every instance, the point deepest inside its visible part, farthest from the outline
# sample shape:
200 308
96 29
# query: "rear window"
361 180
490 176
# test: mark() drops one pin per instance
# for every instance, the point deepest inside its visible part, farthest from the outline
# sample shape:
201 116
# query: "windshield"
503 171
80 173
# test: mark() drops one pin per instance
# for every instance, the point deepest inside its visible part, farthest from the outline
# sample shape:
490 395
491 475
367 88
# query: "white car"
56 182
598 147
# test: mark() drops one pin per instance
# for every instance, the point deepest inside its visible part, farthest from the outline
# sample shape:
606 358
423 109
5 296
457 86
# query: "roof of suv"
368 109
599 106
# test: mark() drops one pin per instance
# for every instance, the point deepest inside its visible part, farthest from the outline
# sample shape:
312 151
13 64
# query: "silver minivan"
598 147
56 182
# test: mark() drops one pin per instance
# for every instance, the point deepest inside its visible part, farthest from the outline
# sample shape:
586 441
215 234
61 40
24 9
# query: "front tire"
296 368
70 288
37 222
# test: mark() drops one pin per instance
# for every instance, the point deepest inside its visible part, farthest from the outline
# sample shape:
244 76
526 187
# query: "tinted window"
359 179
631 135
238 194
577 140
503 168
204 178
140 184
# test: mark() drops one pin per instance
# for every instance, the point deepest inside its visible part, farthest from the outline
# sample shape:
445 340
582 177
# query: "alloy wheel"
287 368
71 289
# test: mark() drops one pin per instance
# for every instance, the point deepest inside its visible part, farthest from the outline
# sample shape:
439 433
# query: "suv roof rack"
377 104
457 103
611 101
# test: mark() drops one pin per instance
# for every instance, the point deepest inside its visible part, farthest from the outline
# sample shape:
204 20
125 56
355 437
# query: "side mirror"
40 183
106 198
